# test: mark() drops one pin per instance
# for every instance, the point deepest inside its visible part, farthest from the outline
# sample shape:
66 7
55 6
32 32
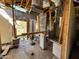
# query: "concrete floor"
25 49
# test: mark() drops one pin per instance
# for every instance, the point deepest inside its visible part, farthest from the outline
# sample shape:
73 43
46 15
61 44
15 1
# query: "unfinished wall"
68 28
72 24
5 30
71 32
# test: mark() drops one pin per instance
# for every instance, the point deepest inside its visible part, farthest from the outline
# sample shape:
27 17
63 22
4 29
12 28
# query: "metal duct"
57 2
37 3
36 9
46 4
37 6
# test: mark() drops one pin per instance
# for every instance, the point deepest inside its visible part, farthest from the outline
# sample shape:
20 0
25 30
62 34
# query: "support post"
45 29
14 20
0 44
27 2
27 28
50 21
15 39
21 2
38 23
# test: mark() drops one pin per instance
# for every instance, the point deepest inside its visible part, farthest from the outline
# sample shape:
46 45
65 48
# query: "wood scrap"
6 50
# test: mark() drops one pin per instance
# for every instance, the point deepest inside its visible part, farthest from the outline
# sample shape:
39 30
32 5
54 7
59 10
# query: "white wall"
57 49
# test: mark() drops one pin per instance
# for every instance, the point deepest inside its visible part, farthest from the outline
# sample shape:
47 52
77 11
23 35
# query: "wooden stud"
21 2
27 2
50 21
38 23
45 22
0 44
52 9
14 29
61 30
65 29
14 20
27 26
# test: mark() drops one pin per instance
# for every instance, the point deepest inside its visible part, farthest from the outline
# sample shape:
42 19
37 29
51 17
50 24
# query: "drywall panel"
57 50
5 30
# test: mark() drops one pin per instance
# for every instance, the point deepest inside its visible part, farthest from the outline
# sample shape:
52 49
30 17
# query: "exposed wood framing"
31 33
2 1
65 29
28 28
0 44
45 23
14 29
27 25
14 20
38 23
32 26
52 9
21 2
61 30
50 21
28 1
25 4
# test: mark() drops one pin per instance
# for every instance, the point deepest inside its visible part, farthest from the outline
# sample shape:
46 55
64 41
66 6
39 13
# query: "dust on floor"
25 51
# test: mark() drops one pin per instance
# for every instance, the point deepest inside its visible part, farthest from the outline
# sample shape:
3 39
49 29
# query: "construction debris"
6 50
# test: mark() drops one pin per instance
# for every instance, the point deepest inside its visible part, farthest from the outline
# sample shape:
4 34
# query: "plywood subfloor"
25 50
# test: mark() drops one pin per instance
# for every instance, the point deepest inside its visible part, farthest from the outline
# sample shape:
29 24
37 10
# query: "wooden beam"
27 2
23 34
